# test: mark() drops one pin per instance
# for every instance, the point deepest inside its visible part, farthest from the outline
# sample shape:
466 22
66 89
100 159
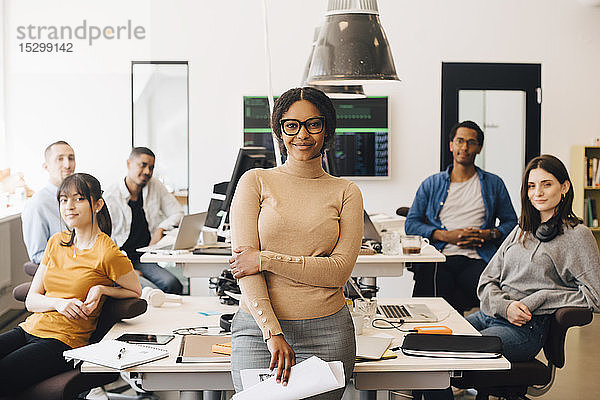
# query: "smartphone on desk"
143 338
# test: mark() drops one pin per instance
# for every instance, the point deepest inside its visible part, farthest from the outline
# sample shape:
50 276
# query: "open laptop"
186 238
407 313
369 230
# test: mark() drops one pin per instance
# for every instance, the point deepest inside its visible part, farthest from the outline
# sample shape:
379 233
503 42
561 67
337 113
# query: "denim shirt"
41 219
424 215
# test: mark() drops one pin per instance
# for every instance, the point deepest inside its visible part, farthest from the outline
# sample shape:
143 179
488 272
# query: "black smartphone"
142 338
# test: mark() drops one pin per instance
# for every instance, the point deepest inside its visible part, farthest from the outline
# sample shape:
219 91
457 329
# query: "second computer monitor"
248 158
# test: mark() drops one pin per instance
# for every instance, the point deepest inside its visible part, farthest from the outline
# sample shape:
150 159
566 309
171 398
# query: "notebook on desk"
371 347
116 354
223 249
198 349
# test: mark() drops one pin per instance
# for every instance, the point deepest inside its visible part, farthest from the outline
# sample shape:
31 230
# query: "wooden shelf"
578 172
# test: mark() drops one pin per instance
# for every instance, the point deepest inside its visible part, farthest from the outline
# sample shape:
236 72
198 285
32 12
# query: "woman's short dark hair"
318 99
530 218
89 187
469 125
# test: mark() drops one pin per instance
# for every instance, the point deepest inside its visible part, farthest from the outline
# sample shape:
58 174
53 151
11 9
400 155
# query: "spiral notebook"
116 354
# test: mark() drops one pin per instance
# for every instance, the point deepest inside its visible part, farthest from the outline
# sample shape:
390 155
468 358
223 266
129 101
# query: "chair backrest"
564 318
402 211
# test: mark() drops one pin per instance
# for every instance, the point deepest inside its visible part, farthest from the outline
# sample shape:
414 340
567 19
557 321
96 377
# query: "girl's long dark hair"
89 187
530 218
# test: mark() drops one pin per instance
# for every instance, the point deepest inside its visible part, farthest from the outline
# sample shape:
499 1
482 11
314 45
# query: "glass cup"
358 320
367 308
390 243
412 244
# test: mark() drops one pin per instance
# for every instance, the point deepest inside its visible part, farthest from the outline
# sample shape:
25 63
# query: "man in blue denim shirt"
41 218
457 210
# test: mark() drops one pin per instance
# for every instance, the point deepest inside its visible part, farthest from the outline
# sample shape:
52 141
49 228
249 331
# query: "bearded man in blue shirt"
466 213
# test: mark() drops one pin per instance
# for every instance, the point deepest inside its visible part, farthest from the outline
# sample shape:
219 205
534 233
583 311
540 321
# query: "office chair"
68 385
528 377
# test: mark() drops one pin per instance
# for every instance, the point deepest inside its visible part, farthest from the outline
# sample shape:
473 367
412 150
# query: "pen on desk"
121 352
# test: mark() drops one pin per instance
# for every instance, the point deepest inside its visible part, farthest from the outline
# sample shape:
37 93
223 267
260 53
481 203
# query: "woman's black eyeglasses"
291 126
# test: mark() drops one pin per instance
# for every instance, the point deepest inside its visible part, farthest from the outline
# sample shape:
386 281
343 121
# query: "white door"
501 115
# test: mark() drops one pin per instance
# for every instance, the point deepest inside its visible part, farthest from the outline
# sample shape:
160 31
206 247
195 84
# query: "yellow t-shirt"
69 276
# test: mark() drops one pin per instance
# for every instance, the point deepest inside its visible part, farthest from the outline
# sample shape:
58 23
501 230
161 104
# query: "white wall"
85 97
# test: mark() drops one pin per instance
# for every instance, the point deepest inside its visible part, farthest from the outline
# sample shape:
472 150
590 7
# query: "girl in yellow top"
79 268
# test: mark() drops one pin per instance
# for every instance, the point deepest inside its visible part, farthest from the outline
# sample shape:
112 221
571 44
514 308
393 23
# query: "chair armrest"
564 318
124 308
30 267
20 291
573 316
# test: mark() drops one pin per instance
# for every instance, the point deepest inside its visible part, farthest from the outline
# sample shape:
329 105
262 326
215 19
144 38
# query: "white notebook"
116 354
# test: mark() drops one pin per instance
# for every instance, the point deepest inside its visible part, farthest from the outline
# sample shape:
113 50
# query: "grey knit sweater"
544 276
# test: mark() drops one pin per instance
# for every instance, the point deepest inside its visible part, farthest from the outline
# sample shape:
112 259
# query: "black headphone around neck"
548 230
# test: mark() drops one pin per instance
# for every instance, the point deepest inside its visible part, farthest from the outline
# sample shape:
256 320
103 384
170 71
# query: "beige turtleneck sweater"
308 227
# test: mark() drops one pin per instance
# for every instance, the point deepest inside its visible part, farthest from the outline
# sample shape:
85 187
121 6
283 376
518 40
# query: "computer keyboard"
394 311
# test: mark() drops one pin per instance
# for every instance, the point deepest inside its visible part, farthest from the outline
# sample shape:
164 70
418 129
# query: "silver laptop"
186 238
407 313
369 230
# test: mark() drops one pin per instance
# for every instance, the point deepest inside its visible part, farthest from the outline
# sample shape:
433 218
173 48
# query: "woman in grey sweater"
550 260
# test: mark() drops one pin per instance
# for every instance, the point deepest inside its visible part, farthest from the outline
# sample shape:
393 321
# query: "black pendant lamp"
352 48
333 91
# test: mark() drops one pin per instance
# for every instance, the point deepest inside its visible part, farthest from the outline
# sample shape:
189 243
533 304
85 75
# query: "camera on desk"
372 245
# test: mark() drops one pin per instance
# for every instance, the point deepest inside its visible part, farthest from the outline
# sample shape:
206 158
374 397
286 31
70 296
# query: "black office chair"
529 377
68 385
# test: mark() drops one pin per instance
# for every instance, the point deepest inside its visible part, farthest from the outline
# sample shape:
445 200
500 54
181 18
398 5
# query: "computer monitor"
215 207
248 158
361 137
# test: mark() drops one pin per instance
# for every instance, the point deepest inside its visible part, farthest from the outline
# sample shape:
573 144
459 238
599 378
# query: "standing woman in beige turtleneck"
296 232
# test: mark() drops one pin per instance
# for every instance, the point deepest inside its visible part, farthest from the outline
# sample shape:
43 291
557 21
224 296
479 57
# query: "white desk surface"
377 265
171 316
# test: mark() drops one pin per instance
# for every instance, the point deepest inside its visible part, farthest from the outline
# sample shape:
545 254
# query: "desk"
400 373
377 265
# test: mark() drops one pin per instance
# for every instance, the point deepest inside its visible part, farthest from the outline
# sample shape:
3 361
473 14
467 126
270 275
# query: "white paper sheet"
307 378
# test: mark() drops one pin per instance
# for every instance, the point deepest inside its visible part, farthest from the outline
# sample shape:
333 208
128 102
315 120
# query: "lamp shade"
333 91
352 47
342 91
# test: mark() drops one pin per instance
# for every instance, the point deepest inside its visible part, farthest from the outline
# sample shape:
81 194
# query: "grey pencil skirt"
330 338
